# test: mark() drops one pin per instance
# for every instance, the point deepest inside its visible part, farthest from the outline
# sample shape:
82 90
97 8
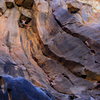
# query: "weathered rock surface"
53 43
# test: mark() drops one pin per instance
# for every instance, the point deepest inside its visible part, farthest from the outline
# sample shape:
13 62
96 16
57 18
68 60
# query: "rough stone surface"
53 43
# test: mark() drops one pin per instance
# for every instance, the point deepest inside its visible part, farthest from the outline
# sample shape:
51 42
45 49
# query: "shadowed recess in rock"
10 68
72 9
23 21
25 3
9 5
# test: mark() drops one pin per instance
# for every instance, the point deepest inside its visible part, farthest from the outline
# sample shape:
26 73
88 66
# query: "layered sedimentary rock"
53 43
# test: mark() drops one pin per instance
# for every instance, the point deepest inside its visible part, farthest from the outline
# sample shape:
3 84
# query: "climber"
21 89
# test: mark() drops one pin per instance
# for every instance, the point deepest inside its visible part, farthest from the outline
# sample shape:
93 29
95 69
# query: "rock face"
53 43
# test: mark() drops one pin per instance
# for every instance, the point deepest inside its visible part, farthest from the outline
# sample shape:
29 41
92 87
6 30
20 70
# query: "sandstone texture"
55 44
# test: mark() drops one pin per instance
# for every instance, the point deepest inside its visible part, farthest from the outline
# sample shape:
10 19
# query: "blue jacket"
21 89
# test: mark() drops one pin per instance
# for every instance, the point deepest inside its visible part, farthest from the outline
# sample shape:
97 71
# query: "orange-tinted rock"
56 49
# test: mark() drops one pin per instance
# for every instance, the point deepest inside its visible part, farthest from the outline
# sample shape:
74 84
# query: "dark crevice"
23 21
72 97
47 52
97 62
93 52
9 5
77 35
28 4
84 76
68 78
72 9
1 12
25 3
